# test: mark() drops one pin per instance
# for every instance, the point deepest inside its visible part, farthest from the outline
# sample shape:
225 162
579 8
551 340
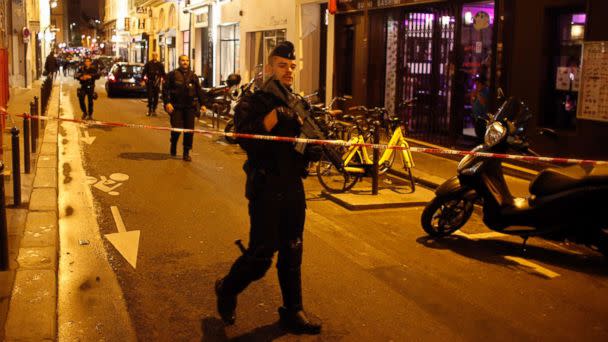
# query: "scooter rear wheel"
445 215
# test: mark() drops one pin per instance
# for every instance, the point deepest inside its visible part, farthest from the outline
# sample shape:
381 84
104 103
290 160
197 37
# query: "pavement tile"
50 136
16 221
40 229
48 149
44 199
46 178
362 199
47 161
35 258
32 315
6 283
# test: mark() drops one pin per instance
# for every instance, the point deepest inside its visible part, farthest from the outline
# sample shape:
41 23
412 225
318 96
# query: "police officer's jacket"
182 89
154 70
91 71
279 159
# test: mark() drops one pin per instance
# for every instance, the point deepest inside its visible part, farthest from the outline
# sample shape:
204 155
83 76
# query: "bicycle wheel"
388 164
411 178
332 179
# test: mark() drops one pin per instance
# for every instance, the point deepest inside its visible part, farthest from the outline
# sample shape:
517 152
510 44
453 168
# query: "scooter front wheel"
230 129
445 215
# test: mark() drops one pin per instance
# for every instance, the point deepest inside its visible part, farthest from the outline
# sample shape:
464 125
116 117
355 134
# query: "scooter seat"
552 181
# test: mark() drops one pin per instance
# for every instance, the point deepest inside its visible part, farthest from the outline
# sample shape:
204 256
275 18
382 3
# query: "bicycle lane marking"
81 313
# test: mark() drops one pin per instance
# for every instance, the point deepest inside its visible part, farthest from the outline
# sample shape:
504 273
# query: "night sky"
91 8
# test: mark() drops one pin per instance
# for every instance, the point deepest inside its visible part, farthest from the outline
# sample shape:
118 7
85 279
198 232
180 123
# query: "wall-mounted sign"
127 24
26 35
201 20
359 5
593 95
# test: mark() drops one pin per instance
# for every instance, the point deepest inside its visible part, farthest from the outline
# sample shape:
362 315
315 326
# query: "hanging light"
53 3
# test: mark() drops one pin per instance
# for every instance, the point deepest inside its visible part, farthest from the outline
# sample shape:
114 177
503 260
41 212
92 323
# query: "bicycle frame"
397 139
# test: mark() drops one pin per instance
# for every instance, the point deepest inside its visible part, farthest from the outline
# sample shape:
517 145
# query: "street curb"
33 301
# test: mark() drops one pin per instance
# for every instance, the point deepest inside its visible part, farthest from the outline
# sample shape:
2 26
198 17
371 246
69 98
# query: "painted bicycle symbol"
108 185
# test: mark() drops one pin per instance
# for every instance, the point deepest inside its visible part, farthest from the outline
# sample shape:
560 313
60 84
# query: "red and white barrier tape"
318 142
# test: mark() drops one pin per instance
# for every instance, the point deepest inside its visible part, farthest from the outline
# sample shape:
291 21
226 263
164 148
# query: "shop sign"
201 20
359 5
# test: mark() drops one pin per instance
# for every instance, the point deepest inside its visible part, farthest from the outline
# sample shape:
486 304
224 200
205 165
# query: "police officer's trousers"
153 93
183 117
86 93
277 223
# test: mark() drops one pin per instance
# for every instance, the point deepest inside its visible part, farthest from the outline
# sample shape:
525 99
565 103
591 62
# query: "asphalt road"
370 276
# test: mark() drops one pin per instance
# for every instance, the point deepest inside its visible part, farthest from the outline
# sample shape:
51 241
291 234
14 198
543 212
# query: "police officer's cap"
285 50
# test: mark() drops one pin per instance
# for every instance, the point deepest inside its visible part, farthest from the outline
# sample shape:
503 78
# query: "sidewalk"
28 289
430 171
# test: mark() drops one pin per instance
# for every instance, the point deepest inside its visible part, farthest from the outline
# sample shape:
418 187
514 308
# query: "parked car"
104 64
125 78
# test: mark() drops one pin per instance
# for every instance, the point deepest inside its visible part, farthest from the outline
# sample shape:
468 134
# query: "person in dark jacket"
51 66
154 73
276 197
182 96
87 74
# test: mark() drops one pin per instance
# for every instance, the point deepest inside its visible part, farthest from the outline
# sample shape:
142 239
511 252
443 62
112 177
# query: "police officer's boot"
297 322
292 316
226 304
187 155
173 140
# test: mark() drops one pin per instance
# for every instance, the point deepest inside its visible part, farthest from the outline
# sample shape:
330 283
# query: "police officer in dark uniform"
87 74
154 72
276 197
182 96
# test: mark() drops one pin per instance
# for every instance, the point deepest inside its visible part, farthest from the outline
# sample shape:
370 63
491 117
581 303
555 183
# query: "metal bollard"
4 265
34 124
26 142
376 161
16 166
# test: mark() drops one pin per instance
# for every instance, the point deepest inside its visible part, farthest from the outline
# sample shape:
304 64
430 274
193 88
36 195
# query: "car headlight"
494 134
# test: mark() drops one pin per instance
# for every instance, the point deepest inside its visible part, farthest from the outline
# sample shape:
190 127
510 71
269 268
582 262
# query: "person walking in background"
87 74
183 98
154 73
51 65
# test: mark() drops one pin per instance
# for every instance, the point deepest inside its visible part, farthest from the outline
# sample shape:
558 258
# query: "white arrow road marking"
87 138
126 243
535 267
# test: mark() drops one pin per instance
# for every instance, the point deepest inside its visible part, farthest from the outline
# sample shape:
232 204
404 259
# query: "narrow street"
369 275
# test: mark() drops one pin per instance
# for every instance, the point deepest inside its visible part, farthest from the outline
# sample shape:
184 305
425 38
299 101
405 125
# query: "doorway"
424 69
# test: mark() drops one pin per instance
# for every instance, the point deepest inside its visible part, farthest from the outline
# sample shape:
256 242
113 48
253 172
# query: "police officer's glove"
284 113
313 153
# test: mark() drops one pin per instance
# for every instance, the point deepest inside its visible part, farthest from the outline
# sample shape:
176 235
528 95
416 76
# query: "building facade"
391 51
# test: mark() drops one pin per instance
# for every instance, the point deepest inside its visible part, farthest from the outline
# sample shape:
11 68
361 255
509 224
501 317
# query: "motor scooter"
564 203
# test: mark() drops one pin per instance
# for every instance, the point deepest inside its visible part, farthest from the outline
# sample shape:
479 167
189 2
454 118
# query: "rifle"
309 128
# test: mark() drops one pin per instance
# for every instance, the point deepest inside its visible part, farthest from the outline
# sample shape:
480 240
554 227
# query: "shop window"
567 35
229 50
260 44
476 44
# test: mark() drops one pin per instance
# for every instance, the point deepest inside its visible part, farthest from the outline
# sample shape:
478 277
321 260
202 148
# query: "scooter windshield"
514 111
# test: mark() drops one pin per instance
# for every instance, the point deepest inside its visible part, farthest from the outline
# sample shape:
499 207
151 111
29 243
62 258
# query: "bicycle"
356 161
